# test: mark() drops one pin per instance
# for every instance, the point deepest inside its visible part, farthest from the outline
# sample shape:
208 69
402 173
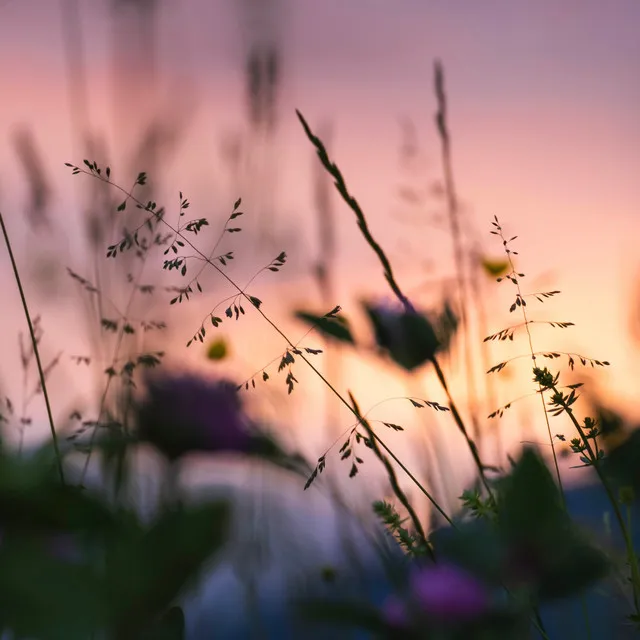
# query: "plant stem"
116 351
516 282
459 422
456 236
393 480
277 330
595 462
36 351
391 280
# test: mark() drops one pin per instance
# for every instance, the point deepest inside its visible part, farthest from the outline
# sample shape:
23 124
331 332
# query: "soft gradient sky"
544 101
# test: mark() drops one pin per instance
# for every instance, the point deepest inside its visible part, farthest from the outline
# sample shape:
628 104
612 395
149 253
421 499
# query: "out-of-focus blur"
541 114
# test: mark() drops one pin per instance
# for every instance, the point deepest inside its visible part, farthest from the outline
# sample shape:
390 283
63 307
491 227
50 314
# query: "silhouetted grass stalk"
36 351
476 290
436 460
596 463
456 236
388 273
393 479
242 292
324 272
523 309
116 351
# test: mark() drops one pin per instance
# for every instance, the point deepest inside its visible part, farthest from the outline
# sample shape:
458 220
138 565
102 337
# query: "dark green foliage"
72 564
526 540
539 534
146 569
514 532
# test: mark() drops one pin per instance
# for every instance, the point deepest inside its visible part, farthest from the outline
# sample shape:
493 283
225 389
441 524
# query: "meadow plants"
510 548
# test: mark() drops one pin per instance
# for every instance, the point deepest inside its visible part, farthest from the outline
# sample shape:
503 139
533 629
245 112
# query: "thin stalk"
453 211
532 351
272 325
436 460
78 95
459 422
391 280
541 392
595 462
25 383
375 439
476 289
393 480
324 273
36 351
116 351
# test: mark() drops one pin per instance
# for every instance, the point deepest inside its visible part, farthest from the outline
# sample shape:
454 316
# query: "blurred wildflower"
447 593
394 612
408 336
442 594
184 413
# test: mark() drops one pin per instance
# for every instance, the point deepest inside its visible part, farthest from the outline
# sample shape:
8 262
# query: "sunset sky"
544 100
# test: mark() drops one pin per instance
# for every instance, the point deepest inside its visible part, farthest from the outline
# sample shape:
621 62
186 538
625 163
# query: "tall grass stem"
36 351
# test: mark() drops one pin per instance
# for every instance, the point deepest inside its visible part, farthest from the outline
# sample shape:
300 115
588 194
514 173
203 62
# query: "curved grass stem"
341 186
277 329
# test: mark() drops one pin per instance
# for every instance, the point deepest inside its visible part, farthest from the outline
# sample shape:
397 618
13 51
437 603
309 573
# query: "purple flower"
447 593
184 413
394 612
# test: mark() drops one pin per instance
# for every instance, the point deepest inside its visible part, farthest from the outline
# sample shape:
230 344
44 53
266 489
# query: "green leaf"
544 547
621 462
571 565
530 500
474 545
146 572
31 496
45 597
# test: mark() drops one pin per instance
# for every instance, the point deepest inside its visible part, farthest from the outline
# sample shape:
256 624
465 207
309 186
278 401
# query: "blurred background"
542 112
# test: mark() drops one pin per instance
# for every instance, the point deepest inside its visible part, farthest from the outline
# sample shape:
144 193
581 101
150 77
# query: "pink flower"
448 593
